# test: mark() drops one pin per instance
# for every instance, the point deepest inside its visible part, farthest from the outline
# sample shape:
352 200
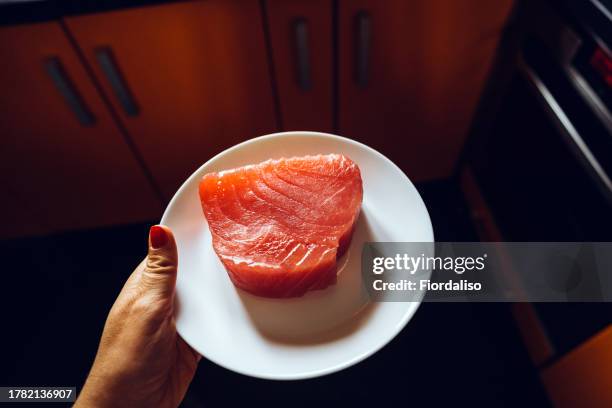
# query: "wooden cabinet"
582 378
105 115
64 163
411 74
301 40
186 80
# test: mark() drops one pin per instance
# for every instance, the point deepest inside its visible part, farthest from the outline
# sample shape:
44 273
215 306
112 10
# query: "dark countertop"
457 354
48 10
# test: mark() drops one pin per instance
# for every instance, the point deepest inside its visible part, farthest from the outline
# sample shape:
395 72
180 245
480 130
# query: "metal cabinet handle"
568 131
108 64
66 88
302 53
363 37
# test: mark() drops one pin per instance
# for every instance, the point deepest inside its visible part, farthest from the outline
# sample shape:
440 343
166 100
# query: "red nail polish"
158 237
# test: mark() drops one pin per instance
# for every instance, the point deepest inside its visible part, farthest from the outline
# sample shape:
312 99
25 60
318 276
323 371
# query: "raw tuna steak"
279 226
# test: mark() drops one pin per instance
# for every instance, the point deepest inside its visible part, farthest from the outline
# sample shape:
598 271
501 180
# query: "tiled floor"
56 292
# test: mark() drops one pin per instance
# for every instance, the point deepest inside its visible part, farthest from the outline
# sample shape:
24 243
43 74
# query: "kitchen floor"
57 291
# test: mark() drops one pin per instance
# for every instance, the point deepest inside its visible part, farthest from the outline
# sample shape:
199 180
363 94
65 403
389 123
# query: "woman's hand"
142 361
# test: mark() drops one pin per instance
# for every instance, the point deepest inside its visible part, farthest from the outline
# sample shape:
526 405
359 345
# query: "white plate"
323 331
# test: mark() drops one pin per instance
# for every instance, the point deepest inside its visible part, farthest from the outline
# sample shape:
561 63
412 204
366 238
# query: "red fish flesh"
279 226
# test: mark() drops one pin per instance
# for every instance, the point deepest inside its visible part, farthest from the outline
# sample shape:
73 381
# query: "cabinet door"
581 378
64 164
301 39
187 79
411 73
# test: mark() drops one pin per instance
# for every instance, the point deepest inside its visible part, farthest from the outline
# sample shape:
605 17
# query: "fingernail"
158 237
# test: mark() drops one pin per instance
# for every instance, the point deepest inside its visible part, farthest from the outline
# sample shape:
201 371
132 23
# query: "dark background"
58 288
460 354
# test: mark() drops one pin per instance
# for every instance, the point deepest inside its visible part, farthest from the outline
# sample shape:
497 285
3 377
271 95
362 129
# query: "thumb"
159 274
